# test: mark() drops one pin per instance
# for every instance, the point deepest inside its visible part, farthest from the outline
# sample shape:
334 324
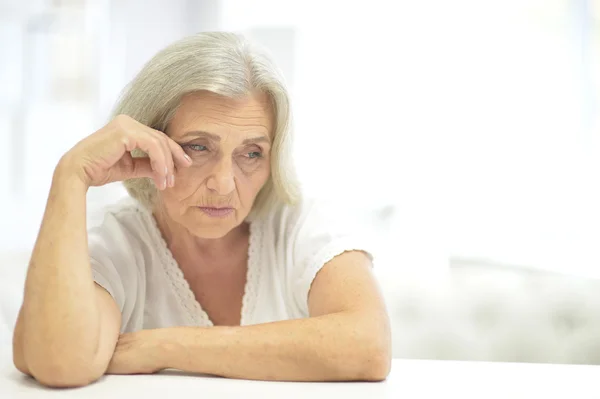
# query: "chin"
209 232
203 228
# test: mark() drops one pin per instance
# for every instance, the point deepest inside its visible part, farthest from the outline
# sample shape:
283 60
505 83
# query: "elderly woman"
216 264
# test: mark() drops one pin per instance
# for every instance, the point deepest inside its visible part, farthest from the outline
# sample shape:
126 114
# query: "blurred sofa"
485 312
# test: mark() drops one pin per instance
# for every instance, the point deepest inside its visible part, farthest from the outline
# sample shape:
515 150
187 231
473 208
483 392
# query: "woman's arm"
346 338
67 328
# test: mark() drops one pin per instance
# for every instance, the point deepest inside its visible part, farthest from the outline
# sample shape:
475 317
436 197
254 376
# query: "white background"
475 120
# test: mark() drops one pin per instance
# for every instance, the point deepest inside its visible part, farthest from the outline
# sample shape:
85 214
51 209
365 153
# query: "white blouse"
130 259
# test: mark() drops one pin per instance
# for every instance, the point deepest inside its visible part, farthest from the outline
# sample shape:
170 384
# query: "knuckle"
150 141
163 139
123 138
157 143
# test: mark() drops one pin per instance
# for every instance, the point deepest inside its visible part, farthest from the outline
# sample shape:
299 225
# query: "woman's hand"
137 353
105 156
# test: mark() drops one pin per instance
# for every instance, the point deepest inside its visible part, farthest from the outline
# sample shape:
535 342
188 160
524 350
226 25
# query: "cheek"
253 180
250 179
186 184
189 179
185 176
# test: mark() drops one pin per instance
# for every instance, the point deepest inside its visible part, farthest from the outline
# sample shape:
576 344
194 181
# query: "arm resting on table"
67 326
346 338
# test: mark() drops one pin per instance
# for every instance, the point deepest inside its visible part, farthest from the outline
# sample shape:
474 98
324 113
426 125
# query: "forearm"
335 347
60 323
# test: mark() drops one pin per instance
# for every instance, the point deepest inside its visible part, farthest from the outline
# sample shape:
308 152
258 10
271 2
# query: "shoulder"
121 248
302 238
125 226
119 216
312 226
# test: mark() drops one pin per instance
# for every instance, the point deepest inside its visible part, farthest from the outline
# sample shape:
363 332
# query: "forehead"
222 115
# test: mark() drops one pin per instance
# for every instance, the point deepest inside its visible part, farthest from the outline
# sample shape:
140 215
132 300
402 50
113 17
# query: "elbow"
380 367
54 368
17 350
370 352
375 363
63 373
18 358
19 362
361 362
62 376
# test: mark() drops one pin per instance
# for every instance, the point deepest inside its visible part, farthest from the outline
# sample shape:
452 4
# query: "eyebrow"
200 133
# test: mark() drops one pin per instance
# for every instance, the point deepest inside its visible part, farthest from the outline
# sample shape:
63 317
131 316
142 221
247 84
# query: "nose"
221 179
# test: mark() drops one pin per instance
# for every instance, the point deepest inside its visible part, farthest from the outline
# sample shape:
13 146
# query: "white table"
409 379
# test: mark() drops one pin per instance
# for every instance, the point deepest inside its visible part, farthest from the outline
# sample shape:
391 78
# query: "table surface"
408 379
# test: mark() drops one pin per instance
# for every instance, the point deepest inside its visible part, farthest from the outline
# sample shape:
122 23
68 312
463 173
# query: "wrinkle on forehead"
221 115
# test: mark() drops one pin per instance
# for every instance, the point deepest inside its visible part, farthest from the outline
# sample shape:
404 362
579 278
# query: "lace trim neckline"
195 314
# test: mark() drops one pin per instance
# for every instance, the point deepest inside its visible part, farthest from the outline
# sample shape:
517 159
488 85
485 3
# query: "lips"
216 212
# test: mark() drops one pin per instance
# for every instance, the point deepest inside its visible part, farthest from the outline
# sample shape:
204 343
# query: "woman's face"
229 142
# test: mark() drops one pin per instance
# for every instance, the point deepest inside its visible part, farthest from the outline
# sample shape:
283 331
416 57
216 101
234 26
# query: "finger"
137 167
151 146
130 167
182 160
141 167
163 139
164 169
127 161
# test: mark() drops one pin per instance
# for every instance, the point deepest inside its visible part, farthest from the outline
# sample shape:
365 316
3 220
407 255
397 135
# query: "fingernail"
171 180
164 183
166 170
188 158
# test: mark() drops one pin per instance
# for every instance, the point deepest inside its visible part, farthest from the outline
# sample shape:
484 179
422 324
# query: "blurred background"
464 131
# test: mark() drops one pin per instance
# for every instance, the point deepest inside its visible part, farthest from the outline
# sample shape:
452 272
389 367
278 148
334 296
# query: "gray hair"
226 64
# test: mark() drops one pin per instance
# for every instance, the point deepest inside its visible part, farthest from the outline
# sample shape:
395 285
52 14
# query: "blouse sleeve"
320 233
116 266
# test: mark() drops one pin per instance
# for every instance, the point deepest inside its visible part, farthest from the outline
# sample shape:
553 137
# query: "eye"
196 147
254 154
